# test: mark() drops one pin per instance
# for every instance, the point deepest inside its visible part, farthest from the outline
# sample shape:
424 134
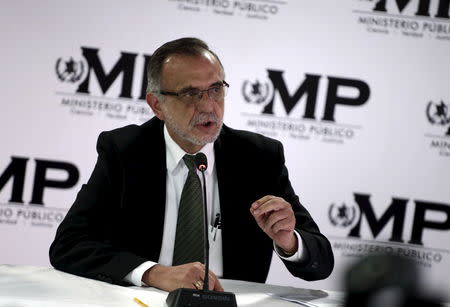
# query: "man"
123 225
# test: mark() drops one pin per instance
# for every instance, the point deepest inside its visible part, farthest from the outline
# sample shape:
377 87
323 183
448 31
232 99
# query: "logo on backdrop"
89 85
69 71
274 110
438 116
364 231
256 92
253 9
341 215
420 19
14 210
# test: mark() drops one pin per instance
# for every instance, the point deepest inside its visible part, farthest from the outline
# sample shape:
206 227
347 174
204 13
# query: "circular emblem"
69 71
438 114
256 92
341 216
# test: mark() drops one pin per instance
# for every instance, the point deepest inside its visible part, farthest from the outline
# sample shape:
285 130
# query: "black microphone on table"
202 297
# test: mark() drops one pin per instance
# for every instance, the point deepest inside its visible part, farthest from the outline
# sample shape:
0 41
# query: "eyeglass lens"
214 93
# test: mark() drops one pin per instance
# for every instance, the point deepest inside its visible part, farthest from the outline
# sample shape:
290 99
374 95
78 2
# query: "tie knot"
189 160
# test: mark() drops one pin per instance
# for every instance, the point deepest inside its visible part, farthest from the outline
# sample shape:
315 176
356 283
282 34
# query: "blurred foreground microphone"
385 280
202 298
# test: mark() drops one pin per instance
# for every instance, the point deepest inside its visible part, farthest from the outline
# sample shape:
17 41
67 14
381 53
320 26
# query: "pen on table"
140 302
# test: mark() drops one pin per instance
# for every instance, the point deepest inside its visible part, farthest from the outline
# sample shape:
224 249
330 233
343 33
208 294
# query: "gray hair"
184 46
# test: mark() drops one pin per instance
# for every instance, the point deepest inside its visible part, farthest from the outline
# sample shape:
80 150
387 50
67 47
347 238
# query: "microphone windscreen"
201 161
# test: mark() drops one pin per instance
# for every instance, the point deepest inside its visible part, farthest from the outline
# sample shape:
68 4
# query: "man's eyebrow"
187 89
216 83
190 87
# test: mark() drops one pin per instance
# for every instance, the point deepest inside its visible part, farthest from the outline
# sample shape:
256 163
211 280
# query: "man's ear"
155 105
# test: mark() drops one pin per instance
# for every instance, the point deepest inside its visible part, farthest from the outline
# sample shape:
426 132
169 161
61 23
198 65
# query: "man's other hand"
190 275
276 218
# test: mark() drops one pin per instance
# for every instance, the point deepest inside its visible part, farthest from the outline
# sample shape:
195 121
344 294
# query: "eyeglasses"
216 92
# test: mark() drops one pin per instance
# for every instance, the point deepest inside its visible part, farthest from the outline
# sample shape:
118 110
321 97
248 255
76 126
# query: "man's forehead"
179 68
177 59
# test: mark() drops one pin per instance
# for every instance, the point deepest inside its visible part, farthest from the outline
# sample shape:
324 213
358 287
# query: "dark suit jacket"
117 219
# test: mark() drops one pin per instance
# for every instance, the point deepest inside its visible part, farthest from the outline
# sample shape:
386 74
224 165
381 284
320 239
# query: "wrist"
290 249
151 275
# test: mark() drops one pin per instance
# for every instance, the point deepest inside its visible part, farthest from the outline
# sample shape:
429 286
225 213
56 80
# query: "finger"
199 285
195 285
260 219
199 266
284 225
266 219
274 218
215 284
198 271
212 283
188 285
191 273
274 204
211 280
256 204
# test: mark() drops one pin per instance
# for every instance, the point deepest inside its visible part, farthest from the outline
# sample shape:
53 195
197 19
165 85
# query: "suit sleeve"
320 262
83 244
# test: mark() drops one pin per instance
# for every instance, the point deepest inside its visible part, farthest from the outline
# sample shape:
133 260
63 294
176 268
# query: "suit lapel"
225 174
145 183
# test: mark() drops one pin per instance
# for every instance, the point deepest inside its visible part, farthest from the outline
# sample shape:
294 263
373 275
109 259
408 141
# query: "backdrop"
357 90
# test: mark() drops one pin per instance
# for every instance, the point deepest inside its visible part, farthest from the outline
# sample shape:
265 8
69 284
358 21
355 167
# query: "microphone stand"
205 218
184 297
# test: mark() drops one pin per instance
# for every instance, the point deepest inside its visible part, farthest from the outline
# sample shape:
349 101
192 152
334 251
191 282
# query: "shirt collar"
174 153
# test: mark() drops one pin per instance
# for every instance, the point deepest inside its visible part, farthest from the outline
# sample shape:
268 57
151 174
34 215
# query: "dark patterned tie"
189 238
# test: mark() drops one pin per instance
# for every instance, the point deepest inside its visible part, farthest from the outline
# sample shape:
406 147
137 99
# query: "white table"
23 286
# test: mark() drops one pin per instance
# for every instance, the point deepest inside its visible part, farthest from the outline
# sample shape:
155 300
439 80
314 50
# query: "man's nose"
205 103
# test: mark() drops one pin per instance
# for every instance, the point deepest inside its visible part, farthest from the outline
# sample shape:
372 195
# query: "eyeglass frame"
224 85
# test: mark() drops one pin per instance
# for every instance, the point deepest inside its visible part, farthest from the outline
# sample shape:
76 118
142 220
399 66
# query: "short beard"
202 117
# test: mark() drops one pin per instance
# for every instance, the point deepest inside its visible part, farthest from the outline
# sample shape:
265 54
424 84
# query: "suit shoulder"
125 138
251 140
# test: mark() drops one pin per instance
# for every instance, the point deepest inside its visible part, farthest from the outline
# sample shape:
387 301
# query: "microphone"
202 297
202 164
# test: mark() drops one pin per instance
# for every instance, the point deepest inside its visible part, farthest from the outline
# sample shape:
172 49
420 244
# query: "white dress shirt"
177 173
